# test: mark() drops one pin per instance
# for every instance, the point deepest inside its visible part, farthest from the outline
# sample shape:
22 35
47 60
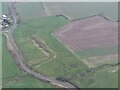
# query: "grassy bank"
12 76
65 64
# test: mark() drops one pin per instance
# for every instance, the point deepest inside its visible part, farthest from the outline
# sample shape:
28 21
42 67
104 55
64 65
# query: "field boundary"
64 28
93 16
69 49
65 16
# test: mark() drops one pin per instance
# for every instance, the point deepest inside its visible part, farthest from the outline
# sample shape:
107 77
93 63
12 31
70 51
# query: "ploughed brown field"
92 32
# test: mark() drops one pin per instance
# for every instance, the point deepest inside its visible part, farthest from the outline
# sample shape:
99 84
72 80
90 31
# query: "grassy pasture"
104 78
27 44
48 53
64 63
88 54
27 82
28 10
97 52
34 9
10 72
4 8
10 69
84 9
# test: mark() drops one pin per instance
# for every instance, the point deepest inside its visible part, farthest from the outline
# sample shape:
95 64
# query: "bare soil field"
92 32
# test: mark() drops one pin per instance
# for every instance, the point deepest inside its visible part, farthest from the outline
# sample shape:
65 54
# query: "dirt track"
17 56
92 32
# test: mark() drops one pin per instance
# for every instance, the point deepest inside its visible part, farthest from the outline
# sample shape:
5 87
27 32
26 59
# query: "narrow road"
17 56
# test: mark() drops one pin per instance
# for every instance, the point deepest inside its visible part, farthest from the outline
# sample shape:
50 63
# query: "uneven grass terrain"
10 70
101 78
45 54
65 64
26 82
12 76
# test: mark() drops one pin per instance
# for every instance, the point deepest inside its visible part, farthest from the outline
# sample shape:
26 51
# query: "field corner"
0 50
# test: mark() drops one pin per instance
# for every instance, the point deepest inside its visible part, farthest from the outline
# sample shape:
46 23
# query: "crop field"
12 76
92 33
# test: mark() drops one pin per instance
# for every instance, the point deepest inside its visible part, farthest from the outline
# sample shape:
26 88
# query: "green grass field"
4 7
72 10
65 64
110 78
22 7
76 10
103 78
27 82
35 12
12 76
43 27
97 52
106 55
10 70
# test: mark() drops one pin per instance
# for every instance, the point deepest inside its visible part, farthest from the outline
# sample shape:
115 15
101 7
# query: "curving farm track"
17 56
